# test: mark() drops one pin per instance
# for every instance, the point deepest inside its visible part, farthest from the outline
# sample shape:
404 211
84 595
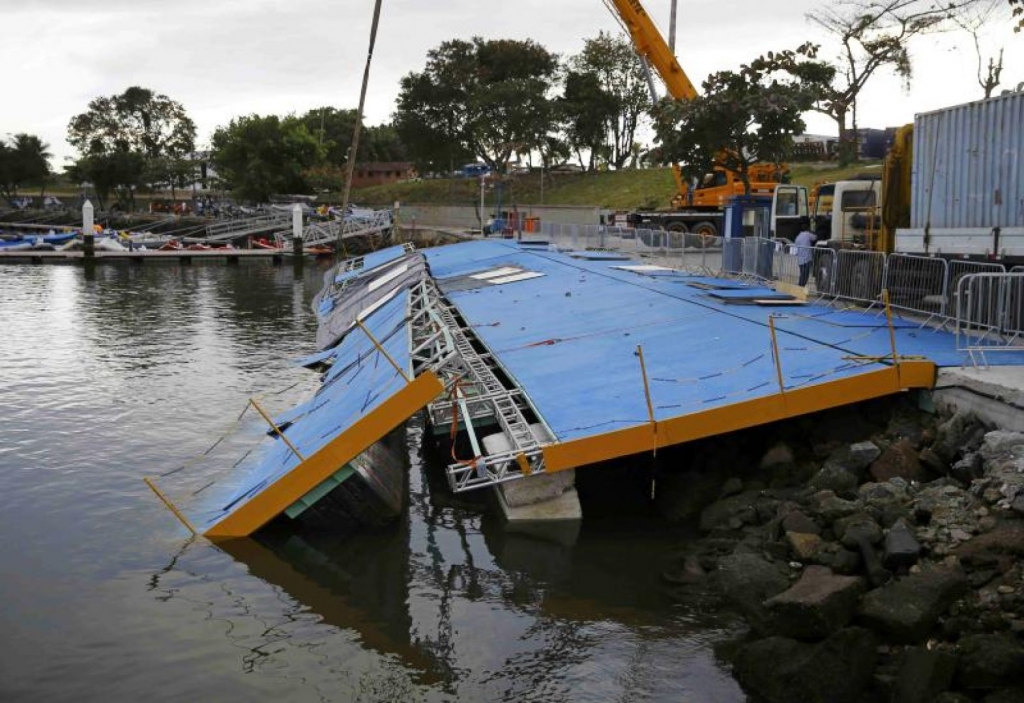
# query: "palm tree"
32 157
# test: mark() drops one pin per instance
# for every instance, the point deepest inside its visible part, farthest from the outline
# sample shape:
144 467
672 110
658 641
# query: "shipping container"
968 168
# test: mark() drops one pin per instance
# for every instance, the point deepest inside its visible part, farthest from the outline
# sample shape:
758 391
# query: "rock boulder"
817 605
783 670
906 610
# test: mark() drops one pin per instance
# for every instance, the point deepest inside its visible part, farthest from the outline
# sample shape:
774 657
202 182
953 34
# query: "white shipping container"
968 166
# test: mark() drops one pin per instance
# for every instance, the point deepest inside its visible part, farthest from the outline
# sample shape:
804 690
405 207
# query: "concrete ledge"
995 394
557 519
565 506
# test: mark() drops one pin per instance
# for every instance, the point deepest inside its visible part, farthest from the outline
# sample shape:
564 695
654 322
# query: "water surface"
117 372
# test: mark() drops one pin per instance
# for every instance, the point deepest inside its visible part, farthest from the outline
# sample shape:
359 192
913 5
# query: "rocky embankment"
886 569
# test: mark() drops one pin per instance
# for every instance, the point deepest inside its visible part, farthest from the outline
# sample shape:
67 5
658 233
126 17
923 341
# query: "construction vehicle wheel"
705 229
676 235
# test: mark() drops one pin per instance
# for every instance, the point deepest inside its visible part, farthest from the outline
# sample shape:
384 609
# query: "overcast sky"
224 58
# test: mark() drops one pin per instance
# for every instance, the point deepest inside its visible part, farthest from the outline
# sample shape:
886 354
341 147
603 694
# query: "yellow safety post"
277 430
647 394
383 351
892 331
524 464
775 354
170 505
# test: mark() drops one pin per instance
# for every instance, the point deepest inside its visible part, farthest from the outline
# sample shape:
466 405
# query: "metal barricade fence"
859 275
917 283
921 284
660 247
820 261
732 256
749 265
706 253
990 311
559 235
959 268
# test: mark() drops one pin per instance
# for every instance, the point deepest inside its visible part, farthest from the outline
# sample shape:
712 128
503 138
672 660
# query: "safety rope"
453 398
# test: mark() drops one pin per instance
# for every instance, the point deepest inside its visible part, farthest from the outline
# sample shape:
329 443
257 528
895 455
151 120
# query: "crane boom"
698 206
652 47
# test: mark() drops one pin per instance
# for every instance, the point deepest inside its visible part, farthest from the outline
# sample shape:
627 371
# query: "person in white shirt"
805 249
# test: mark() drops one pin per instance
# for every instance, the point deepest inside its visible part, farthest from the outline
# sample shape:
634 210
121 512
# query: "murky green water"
112 374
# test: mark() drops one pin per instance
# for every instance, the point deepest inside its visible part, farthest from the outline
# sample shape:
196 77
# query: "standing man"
805 249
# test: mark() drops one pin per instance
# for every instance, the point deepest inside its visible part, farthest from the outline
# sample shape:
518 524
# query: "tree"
382 143
170 172
587 111
971 20
742 117
115 173
124 139
612 62
25 160
873 34
426 123
333 128
259 156
486 98
1017 11
137 121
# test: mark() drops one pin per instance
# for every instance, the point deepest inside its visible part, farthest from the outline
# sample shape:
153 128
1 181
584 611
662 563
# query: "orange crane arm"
652 46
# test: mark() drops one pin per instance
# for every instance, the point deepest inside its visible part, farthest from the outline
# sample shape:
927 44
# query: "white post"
87 213
88 239
297 231
297 221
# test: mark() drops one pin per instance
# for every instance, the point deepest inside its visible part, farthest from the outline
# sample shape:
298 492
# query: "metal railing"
924 285
959 268
917 283
820 271
329 232
990 312
859 276
228 230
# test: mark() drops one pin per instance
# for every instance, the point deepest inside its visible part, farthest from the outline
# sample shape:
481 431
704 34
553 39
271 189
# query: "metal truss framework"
443 344
328 233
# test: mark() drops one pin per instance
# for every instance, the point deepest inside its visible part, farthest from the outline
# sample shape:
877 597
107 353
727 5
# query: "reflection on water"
118 372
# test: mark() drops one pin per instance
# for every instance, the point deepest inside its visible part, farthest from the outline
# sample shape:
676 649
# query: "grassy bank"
616 190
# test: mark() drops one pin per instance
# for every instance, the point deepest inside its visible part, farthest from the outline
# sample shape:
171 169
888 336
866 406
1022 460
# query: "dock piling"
88 237
297 232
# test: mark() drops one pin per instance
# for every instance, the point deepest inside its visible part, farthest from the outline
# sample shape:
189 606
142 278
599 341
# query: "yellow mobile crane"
697 209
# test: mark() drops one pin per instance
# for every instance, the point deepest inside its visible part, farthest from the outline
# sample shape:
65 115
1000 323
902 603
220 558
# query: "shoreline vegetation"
628 189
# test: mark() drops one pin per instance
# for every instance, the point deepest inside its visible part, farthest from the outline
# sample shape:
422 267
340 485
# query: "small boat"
264 243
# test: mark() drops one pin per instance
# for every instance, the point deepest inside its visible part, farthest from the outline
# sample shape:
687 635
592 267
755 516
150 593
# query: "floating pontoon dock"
566 358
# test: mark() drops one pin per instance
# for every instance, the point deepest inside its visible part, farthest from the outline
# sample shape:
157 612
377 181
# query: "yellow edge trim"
275 498
760 411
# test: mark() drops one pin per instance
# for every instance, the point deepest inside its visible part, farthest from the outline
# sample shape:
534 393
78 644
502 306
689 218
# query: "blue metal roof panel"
569 339
358 382
373 260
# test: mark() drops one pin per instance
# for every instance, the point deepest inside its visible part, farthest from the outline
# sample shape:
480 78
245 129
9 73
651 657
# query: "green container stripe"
325 487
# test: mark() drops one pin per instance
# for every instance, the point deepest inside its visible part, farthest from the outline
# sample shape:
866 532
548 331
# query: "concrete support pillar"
88 237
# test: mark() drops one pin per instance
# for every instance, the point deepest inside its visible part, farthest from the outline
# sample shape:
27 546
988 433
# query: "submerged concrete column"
297 232
88 237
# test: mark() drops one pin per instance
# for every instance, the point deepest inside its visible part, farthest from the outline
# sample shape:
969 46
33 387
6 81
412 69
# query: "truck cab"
848 214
